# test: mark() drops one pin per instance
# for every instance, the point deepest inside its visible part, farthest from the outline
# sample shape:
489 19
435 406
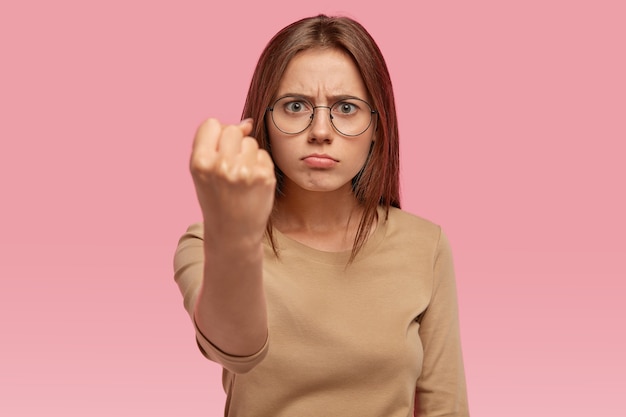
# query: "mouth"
319 161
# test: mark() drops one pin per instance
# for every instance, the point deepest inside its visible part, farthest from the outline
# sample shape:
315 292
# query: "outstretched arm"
235 183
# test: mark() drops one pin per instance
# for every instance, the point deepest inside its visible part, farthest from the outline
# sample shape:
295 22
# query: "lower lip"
318 162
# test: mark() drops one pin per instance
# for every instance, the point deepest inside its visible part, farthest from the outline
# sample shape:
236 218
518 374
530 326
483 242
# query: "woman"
305 280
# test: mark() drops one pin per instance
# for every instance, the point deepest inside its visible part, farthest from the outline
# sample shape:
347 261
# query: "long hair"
378 183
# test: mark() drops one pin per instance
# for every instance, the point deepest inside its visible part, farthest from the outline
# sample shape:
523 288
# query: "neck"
323 220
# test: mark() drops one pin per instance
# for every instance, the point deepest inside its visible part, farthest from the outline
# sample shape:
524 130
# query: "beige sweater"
371 338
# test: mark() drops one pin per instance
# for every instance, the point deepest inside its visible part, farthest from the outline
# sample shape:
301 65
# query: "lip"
317 160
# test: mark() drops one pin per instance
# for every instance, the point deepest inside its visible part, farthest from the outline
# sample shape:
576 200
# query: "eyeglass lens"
350 117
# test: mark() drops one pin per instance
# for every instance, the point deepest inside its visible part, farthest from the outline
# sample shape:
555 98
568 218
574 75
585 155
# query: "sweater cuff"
235 364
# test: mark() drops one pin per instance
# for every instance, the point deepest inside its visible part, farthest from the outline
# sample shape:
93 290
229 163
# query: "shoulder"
400 220
194 235
195 230
414 233
189 249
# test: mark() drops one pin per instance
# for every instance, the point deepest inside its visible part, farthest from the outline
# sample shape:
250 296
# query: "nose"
321 127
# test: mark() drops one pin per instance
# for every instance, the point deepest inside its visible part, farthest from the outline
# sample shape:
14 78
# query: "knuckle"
201 163
206 126
250 142
232 130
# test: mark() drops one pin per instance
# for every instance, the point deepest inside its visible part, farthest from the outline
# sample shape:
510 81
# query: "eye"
345 108
296 106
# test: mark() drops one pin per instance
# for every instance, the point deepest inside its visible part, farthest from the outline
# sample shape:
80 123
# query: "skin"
235 183
235 186
318 207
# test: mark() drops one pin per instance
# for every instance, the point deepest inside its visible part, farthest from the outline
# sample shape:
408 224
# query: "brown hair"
378 182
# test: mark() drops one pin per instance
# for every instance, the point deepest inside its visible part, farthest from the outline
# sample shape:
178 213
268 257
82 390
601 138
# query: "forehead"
322 73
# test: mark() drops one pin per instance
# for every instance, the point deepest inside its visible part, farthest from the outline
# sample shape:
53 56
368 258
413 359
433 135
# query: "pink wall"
512 121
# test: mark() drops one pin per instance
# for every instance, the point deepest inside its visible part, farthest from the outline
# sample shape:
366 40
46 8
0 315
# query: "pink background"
512 118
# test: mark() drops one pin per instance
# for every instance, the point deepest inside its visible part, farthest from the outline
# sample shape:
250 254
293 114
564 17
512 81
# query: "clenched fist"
234 182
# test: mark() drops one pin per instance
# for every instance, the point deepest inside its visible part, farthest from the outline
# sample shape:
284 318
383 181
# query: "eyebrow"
331 99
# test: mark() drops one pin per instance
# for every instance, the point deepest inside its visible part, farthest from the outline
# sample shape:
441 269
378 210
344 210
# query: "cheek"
359 159
365 153
278 153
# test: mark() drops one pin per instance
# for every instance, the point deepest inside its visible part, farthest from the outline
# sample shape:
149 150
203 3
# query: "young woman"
305 280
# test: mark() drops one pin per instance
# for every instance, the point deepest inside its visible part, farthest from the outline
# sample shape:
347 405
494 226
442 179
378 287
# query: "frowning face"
319 157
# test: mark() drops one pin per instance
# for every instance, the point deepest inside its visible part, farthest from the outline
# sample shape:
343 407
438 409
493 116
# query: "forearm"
230 310
235 184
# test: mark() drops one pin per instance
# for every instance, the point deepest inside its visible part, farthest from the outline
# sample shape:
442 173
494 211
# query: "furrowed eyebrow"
331 99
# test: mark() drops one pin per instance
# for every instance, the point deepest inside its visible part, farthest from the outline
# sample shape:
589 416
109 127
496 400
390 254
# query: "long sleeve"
441 389
188 273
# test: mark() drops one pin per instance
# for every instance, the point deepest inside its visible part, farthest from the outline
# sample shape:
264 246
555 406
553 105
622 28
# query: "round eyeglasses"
349 116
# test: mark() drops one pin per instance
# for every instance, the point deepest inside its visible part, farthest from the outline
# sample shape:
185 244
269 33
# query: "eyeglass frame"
330 116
